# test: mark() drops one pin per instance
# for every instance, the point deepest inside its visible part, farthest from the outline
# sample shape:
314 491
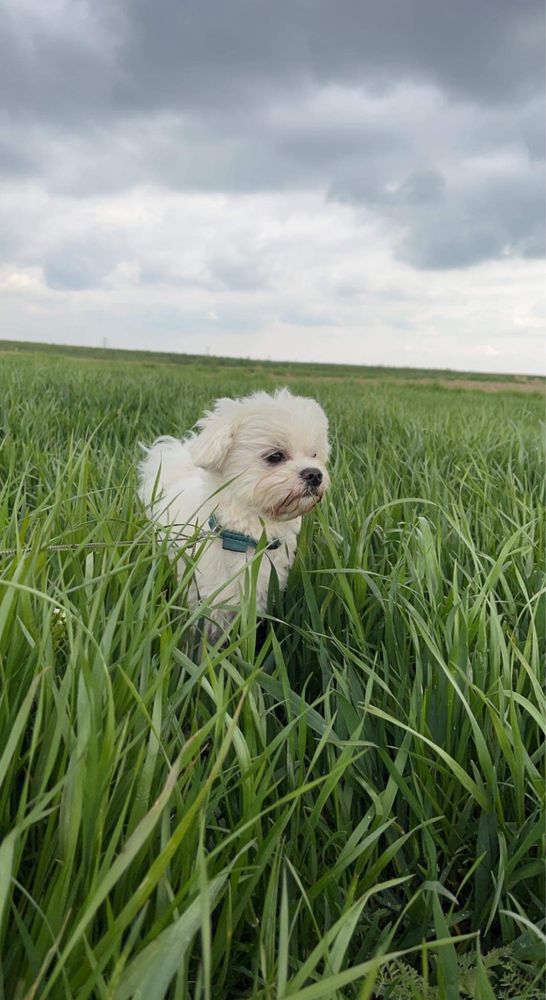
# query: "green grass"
275 822
283 369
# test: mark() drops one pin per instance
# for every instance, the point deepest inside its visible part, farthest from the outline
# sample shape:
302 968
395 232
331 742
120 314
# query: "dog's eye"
275 457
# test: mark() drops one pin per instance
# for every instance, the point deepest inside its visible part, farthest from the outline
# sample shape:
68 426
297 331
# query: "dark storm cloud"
228 97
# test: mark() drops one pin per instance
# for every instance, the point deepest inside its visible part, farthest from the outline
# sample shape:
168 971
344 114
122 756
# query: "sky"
331 180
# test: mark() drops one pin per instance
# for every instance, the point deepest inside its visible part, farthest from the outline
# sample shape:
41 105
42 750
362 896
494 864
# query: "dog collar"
235 541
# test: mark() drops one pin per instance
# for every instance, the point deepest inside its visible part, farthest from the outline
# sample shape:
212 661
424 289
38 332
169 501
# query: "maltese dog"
241 484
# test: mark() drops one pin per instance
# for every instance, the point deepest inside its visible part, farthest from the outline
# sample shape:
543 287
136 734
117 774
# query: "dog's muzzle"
313 481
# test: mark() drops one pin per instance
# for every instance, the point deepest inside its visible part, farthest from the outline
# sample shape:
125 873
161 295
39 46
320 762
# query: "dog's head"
270 450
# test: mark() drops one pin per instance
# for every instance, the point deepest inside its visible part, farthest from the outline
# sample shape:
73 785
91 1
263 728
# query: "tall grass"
353 808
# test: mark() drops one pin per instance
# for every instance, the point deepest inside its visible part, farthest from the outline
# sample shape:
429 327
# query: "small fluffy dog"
245 479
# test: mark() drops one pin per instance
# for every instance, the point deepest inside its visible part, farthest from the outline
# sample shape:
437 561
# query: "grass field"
275 822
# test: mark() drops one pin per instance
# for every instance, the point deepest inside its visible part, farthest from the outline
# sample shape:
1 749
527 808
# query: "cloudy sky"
337 180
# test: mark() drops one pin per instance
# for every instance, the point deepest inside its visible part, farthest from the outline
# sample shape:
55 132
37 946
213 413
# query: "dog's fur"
224 469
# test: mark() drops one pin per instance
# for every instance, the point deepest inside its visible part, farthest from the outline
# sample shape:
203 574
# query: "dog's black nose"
313 477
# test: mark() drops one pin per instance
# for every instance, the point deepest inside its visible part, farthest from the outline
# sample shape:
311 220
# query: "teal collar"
235 541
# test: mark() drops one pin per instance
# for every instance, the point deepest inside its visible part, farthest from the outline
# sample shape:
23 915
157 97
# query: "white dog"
244 480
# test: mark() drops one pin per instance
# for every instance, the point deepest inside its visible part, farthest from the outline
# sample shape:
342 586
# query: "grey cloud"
15 160
206 96
421 187
189 55
379 170
67 271
74 265
464 243
298 317
492 218
241 273
58 66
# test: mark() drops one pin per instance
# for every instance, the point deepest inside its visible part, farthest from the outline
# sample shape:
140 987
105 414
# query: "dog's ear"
216 434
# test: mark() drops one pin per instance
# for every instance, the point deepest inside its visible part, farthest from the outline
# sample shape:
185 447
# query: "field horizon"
533 383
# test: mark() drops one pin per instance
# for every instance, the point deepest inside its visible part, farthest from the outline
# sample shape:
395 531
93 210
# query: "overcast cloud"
305 179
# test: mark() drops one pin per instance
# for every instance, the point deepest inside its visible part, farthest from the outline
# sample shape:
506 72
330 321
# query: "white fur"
223 469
